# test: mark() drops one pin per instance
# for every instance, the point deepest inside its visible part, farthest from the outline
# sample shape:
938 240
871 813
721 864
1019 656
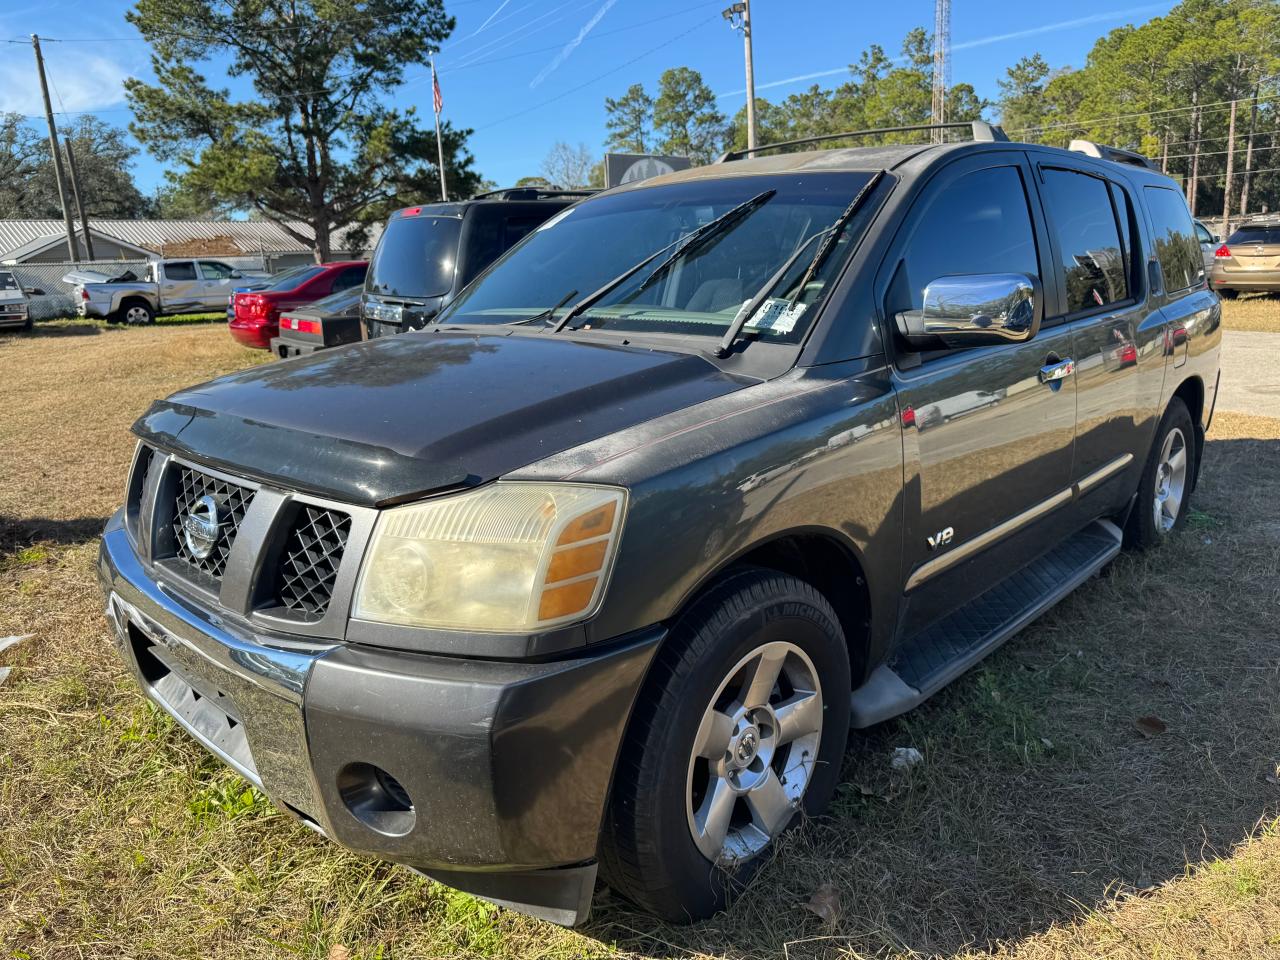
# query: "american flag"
436 97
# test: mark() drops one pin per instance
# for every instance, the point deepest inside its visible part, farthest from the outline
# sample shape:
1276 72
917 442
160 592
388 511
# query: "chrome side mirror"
972 311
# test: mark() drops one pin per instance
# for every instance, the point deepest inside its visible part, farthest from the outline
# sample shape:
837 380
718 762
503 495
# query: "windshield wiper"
682 246
544 314
819 257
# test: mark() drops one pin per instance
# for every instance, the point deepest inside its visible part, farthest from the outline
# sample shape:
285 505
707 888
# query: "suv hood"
388 420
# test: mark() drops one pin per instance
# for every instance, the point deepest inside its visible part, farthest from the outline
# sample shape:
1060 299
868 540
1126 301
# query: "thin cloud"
572 45
971 44
83 83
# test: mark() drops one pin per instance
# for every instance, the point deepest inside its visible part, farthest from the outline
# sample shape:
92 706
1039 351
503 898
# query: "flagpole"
436 104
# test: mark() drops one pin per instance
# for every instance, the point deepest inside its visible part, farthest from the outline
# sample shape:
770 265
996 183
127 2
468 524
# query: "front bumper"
507 765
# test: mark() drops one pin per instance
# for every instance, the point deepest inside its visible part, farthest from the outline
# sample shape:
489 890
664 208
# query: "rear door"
180 286
1117 336
988 442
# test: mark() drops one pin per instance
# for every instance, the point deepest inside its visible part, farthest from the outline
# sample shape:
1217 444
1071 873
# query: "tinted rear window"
1088 240
415 257
293 279
1179 254
1255 235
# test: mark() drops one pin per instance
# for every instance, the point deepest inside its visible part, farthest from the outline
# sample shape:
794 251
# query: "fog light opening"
377 799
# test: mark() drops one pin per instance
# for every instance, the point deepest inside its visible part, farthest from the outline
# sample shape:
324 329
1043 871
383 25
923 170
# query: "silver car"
1248 260
14 309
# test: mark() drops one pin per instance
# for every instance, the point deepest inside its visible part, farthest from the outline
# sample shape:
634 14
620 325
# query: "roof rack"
981 130
534 193
1100 151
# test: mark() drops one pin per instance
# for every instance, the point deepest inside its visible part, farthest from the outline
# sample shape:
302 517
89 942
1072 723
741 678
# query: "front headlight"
507 558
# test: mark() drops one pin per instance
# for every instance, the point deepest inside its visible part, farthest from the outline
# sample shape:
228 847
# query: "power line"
1222 104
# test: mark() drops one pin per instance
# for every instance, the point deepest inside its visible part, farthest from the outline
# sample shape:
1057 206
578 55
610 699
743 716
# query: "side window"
213 270
515 228
1176 248
182 270
1202 233
977 224
350 277
1088 239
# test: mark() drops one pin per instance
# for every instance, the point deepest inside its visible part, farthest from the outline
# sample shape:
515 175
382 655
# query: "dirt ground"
1050 817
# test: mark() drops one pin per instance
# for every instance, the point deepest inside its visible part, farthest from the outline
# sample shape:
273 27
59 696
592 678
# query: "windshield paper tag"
777 316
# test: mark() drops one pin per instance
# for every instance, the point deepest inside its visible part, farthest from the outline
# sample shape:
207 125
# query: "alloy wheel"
754 753
136 315
1171 480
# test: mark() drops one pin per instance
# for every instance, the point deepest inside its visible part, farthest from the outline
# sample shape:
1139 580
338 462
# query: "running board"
944 650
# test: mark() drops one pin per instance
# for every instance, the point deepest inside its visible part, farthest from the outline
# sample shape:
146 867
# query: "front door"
988 431
216 282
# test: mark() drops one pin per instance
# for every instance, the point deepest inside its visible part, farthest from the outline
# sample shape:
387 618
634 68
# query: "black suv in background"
428 253
597 572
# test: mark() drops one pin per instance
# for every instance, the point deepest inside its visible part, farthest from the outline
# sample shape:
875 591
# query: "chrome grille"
232 499
310 561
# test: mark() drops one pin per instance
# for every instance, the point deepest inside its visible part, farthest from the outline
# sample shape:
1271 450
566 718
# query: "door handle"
1057 371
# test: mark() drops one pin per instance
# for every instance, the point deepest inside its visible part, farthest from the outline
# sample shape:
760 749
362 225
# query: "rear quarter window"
1175 240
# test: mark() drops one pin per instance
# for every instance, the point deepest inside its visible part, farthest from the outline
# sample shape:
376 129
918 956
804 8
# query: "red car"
257 313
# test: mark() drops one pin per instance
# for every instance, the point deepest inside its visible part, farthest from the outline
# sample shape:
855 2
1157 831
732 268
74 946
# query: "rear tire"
1164 492
135 313
1226 294
691 819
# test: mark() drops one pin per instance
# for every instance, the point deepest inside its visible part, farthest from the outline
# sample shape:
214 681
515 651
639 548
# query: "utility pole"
53 148
941 64
739 18
1231 155
75 190
1248 150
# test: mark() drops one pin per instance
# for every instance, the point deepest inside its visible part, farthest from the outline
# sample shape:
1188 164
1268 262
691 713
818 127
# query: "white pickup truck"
167 287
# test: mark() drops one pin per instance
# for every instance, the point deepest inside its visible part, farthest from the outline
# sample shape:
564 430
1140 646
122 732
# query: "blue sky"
526 73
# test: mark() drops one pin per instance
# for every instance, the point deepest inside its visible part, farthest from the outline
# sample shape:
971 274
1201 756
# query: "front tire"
1164 492
741 725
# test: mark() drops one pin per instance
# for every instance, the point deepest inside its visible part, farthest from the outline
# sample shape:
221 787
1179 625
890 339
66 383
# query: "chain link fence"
56 300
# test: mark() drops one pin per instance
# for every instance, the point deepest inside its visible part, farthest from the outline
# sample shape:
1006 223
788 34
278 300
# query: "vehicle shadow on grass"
1040 796
16 535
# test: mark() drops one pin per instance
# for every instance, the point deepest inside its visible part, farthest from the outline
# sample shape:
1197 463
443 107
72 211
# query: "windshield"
702 291
1255 235
415 257
7 281
291 279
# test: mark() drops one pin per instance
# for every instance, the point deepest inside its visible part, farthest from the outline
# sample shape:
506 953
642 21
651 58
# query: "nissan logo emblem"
201 527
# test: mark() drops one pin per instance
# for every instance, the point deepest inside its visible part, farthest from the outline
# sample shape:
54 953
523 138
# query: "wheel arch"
1191 392
821 557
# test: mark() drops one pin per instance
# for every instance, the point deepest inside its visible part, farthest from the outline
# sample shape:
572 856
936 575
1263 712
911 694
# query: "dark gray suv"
597 572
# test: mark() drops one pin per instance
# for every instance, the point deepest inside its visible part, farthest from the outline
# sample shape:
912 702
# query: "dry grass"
1253 313
1042 823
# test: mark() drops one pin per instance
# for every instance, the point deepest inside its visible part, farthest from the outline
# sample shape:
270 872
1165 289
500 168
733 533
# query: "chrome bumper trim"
265 683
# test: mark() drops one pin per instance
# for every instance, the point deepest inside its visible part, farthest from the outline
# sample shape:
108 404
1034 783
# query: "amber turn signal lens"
564 601
595 523
576 561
